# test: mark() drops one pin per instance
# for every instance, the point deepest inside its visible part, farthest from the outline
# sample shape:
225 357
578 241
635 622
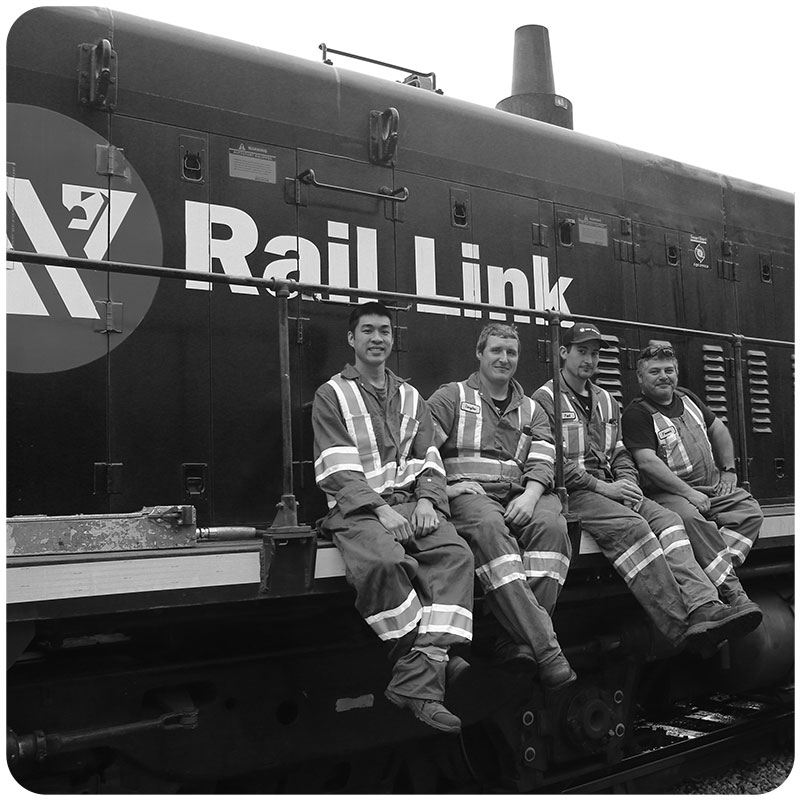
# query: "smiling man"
375 459
685 455
646 543
499 454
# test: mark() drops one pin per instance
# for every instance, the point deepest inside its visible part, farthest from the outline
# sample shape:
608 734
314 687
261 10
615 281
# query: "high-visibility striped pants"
520 571
659 568
416 595
723 537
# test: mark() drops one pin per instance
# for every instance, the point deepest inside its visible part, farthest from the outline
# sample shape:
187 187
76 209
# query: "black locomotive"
189 220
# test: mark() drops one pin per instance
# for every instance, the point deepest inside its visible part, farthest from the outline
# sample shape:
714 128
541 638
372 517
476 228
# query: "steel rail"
667 758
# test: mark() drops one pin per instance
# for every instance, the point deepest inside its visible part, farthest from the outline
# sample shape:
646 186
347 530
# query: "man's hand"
464 487
395 523
727 483
623 491
520 510
424 520
699 500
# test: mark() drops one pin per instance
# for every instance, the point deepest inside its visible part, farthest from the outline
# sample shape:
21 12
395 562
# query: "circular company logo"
58 203
700 252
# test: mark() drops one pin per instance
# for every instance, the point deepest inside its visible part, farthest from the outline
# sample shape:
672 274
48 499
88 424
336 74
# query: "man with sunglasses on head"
646 543
685 455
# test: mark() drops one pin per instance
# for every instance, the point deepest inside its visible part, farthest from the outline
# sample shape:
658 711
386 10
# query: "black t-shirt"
586 402
638 431
502 405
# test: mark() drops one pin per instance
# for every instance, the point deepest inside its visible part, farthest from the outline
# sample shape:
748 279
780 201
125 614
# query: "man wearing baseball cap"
646 543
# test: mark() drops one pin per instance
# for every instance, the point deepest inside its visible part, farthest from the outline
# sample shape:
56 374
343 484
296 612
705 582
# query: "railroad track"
701 736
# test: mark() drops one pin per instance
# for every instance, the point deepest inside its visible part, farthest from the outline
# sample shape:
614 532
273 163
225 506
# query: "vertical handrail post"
741 427
555 363
287 508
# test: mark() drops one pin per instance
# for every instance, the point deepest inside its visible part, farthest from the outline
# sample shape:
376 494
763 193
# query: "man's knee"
637 527
459 551
665 520
486 532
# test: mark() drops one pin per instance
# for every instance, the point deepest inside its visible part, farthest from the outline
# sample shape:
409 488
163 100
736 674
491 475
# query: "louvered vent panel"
714 380
609 374
758 379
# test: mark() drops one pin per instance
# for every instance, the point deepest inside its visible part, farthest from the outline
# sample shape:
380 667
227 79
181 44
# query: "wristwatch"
729 469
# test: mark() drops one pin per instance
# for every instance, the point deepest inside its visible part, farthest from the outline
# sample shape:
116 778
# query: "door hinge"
110 317
727 270
625 251
539 234
110 162
107 478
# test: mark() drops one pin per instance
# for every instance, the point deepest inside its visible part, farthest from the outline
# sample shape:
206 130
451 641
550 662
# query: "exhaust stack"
532 86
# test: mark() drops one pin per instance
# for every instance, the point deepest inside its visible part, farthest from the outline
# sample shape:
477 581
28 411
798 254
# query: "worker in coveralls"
685 456
646 543
376 461
498 454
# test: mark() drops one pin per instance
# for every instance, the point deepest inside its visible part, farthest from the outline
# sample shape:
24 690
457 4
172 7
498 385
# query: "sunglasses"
656 351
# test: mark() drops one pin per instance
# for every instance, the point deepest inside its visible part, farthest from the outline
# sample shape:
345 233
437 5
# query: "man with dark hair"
376 461
645 542
498 454
685 455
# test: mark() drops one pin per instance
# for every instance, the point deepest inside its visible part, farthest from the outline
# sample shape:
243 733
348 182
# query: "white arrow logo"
94 213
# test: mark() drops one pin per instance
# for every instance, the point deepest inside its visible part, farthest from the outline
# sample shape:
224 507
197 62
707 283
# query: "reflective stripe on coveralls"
469 432
683 444
394 623
574 434
364 456
684 441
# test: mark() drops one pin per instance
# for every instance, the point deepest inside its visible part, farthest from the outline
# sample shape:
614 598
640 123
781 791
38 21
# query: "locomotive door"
251 231
594 254
56 351
465 244
158 380
765 293
346 235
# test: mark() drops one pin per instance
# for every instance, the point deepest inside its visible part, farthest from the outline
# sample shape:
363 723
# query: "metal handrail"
310 289
325 50
285 288
384 193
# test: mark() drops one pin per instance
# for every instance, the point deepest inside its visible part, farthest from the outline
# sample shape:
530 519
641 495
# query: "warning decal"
251 162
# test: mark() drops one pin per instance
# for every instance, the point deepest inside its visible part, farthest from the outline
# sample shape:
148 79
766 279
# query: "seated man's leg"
546 551
498 565
692 580
629 544
444 582
381 572
711 550
384 575
739 518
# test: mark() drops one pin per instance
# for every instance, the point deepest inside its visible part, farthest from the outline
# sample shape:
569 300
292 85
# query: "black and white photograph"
400 398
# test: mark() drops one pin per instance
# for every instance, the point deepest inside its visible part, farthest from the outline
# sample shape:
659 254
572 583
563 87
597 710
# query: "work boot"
714 622
513 657
431 712
556 673
738 599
